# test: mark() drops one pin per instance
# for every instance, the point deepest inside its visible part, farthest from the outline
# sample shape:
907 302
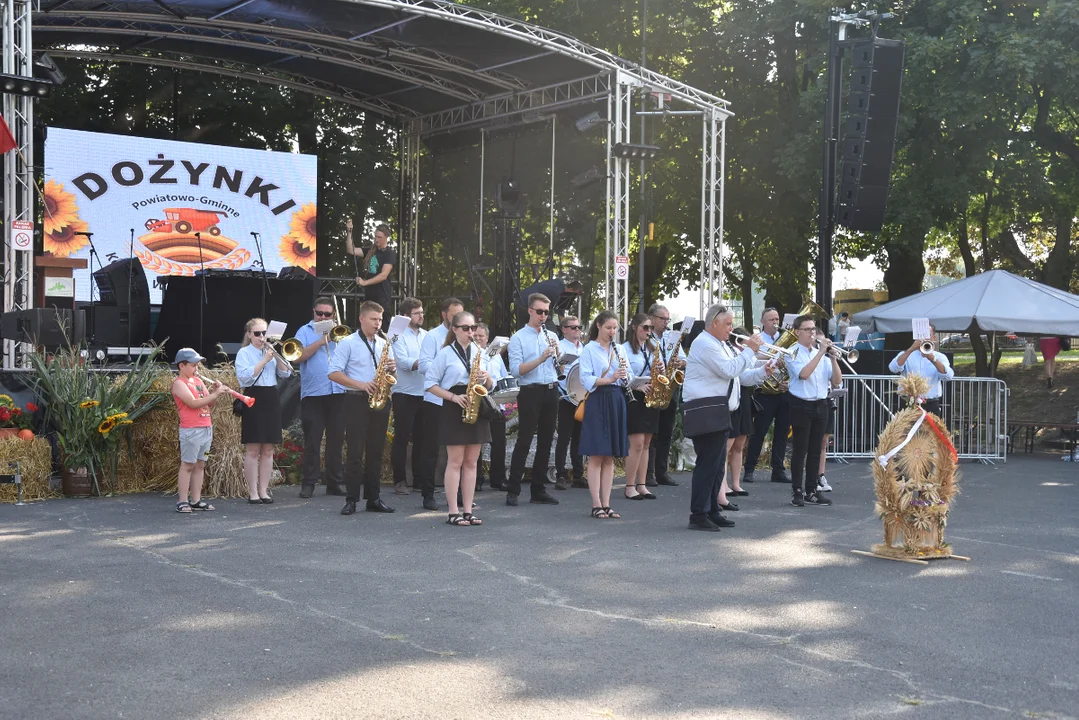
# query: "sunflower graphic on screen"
298 247
60 208
64 242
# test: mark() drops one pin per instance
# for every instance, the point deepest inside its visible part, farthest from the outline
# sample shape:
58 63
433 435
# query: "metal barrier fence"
974 409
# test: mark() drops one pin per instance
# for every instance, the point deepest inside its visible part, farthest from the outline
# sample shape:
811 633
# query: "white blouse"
448 369
598 363
247 358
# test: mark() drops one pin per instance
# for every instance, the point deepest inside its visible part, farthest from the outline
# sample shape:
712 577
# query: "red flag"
7 140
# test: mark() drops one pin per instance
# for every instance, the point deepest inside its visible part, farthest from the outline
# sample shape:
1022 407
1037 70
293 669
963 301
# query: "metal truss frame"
620 112
18 168
713 186
409 235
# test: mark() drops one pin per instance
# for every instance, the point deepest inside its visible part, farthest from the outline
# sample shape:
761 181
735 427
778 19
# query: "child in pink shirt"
193 403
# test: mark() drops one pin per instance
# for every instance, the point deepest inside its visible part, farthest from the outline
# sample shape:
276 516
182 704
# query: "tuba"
384 379
774 385
659 395
475 392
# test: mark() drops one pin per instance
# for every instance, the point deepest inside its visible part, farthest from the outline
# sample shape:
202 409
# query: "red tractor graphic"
185 220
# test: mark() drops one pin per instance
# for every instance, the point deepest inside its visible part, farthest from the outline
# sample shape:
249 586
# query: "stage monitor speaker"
112 283
109 324
868 133
44 327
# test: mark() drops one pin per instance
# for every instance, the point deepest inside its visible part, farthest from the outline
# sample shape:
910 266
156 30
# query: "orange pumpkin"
26 434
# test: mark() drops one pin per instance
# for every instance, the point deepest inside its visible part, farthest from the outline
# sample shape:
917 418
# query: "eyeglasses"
539 311
660 317
649 328
324 314
808 329
258 333
466 328
416 312
571 327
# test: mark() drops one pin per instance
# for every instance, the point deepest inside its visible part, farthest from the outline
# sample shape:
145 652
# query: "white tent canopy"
993 301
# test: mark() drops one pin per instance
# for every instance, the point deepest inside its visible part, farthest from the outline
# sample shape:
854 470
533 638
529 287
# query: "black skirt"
452 430
742 418
261 423
641 419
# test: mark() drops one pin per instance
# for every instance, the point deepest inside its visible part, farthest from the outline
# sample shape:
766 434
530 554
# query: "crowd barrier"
974 409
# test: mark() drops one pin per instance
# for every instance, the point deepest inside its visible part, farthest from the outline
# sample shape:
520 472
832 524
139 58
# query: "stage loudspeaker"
49 328
110 324
868 133
112 281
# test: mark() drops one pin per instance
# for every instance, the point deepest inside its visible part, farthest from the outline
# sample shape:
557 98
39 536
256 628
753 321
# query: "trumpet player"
320 405
193 403
921 358
641 420
532 363
258 368
813 373
355 366
459 364
771 408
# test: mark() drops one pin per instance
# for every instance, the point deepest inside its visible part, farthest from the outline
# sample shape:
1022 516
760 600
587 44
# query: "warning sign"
621 268
22 234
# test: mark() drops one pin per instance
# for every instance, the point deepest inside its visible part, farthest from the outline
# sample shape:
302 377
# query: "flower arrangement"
13 416
290 454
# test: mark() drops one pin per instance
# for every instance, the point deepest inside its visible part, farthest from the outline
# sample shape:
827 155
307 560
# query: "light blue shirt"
711 365
353 357
817 385
246 360
918 364
526 345
565 346
640 363
406 350
598 363
495 366
313 370
429 348
447 369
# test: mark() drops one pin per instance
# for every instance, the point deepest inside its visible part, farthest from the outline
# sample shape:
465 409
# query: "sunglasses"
571 327
540 312
466 328
258 333
324 314
649 328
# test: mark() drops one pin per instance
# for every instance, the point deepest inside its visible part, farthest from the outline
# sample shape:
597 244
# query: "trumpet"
245 399
336 334
927 347
849 355
772 351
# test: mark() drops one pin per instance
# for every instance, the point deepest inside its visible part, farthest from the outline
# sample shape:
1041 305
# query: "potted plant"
15 420
90 410
288 460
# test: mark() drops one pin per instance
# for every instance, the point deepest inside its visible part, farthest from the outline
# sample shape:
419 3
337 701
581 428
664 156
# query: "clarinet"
622 363
552 342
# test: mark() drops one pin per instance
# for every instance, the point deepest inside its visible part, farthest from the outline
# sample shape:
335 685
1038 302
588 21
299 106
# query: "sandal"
612 514
638 496
600 513
202 505
472 519
457 519
647 495
183 507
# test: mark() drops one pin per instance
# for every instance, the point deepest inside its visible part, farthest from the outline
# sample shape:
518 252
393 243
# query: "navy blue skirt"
603 431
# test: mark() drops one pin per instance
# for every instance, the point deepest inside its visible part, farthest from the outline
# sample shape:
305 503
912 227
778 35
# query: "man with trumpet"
320 402
771 407
921 358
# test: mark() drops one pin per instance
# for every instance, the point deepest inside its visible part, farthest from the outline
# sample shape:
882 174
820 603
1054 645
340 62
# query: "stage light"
20 85
508 196
636 152
591 121
589 176
45 67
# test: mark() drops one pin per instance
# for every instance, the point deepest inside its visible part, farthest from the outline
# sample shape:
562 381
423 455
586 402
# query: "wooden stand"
47 269
885 552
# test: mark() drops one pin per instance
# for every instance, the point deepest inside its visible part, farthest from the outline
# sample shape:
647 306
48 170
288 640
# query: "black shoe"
562 483
267 501
542 498
651 482
430 504
779 476
377 505
718 520
818 498
511 499
797 500
580 483
739 493
748 477
729 507
307 491
349 508
666 481
702 523
336 490
497 486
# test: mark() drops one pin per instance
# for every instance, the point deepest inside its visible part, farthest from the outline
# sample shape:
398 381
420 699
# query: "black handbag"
490 411
1065 344
707 415
238 406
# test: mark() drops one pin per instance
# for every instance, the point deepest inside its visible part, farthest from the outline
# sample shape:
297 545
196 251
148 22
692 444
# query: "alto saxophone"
475 393
678 376
384 379
659 393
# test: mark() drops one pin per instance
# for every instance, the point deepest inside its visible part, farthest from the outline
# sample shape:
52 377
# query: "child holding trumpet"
193 403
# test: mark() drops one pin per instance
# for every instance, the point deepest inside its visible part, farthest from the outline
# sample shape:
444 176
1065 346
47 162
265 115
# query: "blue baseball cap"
187 355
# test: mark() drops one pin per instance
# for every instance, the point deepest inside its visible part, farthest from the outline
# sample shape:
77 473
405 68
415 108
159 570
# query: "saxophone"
475 392
384 379
660 391
678 376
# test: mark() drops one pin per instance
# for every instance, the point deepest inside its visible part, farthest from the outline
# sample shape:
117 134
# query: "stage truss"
213 35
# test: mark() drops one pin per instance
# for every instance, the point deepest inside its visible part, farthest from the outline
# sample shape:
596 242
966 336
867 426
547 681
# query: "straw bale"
35 463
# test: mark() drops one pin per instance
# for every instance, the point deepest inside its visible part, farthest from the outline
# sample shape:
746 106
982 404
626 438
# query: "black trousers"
569 438
773 408
425 445
365 433
498 456
537 409
711 452
809 418
659 451
406 421
321 414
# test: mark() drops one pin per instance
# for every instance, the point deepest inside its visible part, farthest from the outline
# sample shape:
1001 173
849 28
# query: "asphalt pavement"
122 608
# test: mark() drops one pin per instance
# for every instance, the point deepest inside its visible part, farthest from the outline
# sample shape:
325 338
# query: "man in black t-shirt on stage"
376 266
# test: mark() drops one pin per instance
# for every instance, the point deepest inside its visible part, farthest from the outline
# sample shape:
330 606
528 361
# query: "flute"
245 399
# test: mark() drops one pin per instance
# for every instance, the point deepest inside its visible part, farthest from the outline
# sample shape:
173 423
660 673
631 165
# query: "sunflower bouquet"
91 410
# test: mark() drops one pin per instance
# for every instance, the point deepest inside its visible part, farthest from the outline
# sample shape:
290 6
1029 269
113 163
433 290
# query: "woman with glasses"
603 430
257 371
741 429
641 422
447 378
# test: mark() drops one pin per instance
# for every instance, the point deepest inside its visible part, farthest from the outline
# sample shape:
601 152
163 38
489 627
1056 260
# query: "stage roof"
442 65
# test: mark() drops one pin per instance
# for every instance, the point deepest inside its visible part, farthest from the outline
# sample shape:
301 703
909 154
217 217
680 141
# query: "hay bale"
35 462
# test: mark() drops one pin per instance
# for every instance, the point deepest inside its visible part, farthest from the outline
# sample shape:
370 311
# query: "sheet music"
671 338
398 325
921 328
276 330
851 338
495 346
567 358
639 383
788 320
324 326
687 323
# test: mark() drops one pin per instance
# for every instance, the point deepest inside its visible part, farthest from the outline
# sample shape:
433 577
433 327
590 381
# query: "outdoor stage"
121 606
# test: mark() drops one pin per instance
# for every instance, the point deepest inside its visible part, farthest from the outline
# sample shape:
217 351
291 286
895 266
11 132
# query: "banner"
183 202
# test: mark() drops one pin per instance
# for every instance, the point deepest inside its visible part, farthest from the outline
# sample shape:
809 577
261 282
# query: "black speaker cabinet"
112 283
107 324
44 327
